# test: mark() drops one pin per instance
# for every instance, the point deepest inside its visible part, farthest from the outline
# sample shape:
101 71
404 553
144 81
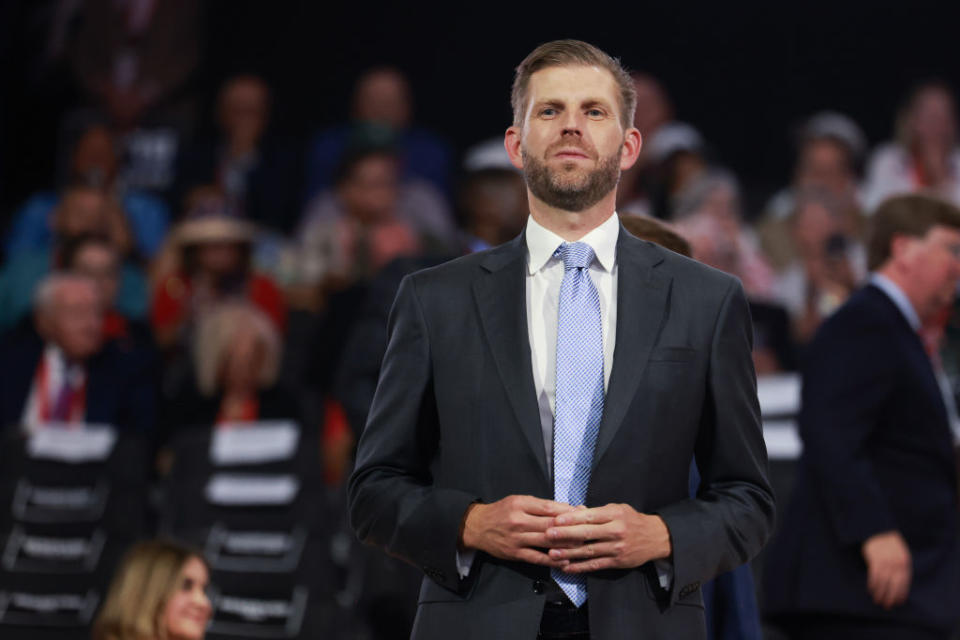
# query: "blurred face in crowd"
653 108
383 97
723 204
219 258
370 191
572 145
82 210
825 163
243 361
73 318
94 157
931 120
497 207
244 111
101 264
188 610
813 224
930 266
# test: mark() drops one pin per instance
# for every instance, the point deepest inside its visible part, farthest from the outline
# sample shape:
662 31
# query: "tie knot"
575 255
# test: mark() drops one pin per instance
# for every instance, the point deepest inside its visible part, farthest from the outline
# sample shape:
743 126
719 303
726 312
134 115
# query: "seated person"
211 263
83 209
159 591
63 370
382 98
95 256
257 173
236 363
829 265
93 162
367 221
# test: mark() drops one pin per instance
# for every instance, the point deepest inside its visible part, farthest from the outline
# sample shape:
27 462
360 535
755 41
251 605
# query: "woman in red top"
213 256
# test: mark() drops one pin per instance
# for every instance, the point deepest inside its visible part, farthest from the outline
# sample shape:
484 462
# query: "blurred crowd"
174 281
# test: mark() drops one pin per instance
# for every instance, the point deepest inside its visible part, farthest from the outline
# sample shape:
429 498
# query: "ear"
632 142
513 143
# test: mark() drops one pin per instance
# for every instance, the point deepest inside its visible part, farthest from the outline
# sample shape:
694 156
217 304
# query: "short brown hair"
647 228
910 215
140 590
566 53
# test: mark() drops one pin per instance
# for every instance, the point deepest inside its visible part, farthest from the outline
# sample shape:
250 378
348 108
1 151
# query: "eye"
187 584
548 112
595 113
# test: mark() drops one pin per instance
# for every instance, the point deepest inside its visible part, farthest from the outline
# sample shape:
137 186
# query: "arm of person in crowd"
844 392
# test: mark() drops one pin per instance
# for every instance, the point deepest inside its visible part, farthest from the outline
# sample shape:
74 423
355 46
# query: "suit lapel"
501 299
643 293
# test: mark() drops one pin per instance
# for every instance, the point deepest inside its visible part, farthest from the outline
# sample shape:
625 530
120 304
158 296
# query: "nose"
202 600
571 123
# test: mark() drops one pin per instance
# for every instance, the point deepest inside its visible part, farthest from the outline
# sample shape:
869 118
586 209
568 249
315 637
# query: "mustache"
571 143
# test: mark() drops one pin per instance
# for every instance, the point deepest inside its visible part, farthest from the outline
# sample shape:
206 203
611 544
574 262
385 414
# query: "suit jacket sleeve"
732 515
393 502
845 387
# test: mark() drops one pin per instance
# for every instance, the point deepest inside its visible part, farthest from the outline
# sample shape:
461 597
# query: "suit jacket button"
538 587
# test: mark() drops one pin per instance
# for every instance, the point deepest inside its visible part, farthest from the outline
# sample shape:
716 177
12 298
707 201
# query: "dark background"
745 74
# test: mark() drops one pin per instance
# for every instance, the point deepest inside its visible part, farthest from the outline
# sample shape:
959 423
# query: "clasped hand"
574 539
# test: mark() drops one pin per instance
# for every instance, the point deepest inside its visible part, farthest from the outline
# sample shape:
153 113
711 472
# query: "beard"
569 188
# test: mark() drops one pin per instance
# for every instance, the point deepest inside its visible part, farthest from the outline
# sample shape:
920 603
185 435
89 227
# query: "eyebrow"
585 103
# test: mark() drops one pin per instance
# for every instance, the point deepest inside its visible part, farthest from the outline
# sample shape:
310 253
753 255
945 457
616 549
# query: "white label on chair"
254 442
233 489
68 443
779 394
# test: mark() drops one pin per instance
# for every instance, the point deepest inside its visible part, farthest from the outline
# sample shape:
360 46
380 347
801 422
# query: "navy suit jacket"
455 420
121 388
877 456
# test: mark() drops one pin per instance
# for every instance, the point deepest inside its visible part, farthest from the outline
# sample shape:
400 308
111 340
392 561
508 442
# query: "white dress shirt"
57 371
544 277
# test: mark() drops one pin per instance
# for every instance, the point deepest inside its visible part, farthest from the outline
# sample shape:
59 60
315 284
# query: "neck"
572 225
898 278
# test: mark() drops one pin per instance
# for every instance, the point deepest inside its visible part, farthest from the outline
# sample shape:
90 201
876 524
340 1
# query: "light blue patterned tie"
579 391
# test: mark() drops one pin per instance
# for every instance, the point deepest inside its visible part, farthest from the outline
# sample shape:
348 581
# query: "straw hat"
214 228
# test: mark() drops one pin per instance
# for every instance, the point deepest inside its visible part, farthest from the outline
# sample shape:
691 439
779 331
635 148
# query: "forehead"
76 292
572 83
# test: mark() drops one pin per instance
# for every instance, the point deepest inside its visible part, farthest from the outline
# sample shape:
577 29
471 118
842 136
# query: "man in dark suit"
869 542
62 370
539 403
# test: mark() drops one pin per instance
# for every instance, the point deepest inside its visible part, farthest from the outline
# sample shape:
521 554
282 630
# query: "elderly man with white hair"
65 372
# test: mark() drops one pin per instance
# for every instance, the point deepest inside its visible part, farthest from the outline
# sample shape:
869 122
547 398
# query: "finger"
533 556
582 532
586 551
900 588
539 540
596 515
593 564
541 507
874 583
525 522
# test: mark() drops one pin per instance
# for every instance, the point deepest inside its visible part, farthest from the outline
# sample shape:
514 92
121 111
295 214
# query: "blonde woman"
158 593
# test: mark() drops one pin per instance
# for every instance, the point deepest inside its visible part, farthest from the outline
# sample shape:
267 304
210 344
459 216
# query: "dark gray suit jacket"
455 420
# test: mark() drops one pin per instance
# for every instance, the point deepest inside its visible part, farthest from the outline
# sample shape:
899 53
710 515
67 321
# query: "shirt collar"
898 297
542 243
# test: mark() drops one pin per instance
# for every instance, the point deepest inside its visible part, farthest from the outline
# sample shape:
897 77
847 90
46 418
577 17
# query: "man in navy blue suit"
869 543
62 370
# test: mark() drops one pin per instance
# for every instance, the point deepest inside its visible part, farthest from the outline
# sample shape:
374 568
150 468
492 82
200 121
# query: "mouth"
568 154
